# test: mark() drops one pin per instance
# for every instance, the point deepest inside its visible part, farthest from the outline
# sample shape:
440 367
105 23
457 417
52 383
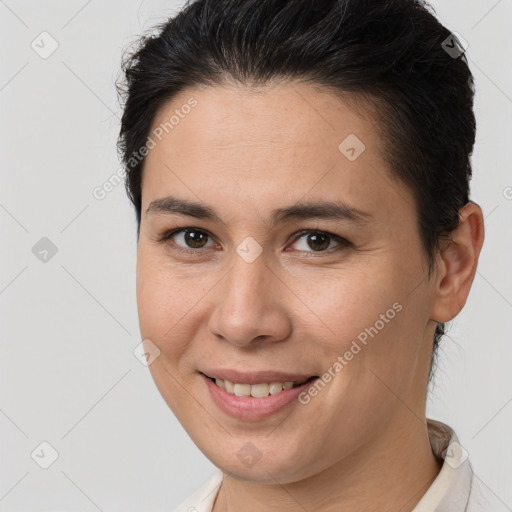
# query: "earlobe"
457 263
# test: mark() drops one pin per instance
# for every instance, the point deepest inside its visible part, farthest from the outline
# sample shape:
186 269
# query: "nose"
250 305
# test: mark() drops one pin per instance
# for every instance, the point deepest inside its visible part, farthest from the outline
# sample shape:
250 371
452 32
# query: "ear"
456 264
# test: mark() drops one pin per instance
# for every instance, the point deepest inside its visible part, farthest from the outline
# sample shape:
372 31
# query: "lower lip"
250 408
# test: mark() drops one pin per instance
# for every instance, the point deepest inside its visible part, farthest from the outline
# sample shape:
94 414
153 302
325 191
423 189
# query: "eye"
319 241
189 239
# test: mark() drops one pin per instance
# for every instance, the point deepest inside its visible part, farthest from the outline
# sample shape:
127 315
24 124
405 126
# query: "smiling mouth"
260 390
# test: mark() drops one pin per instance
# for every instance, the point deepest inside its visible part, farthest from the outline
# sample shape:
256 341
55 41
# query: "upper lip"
255 377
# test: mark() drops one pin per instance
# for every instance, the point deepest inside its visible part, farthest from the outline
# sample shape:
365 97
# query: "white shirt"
456 489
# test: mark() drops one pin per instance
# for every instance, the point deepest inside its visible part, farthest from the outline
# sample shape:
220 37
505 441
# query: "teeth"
242 389
256 390
259 390
275 387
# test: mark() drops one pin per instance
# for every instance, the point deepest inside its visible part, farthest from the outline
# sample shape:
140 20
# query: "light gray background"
69 326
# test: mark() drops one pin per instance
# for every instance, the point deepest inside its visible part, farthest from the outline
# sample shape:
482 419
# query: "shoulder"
203 498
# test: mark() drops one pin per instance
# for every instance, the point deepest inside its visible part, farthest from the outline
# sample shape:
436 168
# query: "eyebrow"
327 210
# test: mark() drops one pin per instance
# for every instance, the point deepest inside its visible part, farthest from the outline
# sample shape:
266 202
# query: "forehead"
282 118
270 145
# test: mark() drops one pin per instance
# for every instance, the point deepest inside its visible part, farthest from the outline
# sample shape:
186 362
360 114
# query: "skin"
245 153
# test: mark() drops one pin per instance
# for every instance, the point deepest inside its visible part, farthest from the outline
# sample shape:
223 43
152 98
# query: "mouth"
258 389
256 400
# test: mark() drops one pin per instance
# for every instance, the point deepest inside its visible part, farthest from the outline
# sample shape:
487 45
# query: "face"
300 257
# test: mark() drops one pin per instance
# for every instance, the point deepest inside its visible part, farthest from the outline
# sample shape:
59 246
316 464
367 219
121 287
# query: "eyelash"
343 243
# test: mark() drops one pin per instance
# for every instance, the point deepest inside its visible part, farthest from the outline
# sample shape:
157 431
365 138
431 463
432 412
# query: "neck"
392 473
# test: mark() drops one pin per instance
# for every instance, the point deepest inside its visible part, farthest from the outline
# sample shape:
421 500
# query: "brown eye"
189 238
318 241
195 239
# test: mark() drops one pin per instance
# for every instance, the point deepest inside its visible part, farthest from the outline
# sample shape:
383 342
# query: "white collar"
451 489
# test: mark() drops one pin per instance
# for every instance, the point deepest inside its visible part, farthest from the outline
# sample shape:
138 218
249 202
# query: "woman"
300 174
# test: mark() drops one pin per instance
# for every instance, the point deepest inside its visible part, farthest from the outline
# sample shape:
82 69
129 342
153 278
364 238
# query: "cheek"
371 319
371 348
166 317
165 305
347 303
